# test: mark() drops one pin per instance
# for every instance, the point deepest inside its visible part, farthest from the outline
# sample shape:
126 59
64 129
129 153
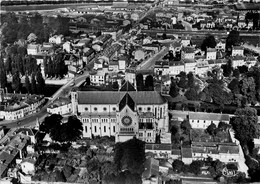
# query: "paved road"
149 64
32 119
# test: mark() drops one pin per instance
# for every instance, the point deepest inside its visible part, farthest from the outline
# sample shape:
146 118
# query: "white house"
237 50
67 46
189 65
237 60
57 39
60 106
98 78
203 120
211 54
188 53
175 68
202 67
221 46
28 166
159 150
185 41
33 49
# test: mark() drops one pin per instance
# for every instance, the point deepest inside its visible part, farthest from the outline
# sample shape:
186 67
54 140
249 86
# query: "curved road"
31 119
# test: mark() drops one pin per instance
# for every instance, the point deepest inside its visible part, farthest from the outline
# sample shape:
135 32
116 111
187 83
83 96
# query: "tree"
27 84
174 90
195 166
72 130
208 42
3 78
115 85
233 39
177 166
211 129
245 125
175 135
88 81
234 86
190 81
191 94
183 80
130 156
223 126
248 89
149 83
16 82
140 82
186 127
40 82
33 84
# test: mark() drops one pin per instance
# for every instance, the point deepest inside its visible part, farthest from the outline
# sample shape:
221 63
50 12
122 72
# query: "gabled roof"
127 86
208 116
151 167
167 147
127 100
114 97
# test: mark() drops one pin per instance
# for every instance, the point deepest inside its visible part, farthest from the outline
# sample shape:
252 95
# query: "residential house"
185 41
221 46
203 24
98 64
188 53
57 39
23 106
122 62
28 166
210 24
161 68
250 24
241 23
159 150
33 49
189 65
113 66
98 78
175 67
203 120
224 152
217 63
202 67
186 155
60 106
31 133
67 46
237 50
156 47
151 171
211 54
250 61
88 56
237 60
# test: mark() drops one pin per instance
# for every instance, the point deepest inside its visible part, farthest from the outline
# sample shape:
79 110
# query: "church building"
125 114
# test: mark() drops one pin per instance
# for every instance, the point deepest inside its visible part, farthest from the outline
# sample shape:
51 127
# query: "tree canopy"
208 42
130 155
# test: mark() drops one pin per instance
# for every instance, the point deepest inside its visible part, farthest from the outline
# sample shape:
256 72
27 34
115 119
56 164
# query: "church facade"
123 114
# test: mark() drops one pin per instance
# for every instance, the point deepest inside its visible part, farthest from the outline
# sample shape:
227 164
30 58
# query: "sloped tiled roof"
151 166
127 86
114 97
208 116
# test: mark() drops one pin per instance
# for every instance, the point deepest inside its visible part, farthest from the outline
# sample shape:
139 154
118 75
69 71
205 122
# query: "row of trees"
20 28
147 85
55 67
34 82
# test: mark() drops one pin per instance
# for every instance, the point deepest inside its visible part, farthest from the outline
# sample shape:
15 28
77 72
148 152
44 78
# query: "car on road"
19 123
72 84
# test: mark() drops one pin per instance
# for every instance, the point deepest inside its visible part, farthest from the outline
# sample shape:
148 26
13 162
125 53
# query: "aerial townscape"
129 91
